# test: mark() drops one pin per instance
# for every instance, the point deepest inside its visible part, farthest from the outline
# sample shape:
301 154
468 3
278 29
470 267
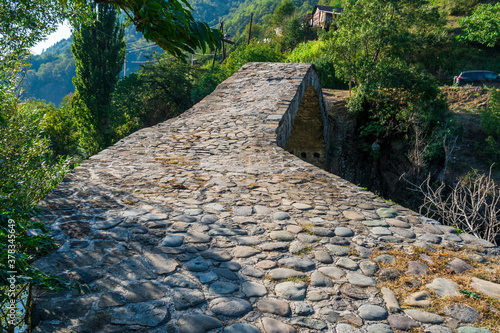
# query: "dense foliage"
373 32
158 91
252 53
370 48
27 174
317 53
483 26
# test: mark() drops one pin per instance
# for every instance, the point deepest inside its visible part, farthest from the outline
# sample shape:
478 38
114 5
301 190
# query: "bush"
490 117
27 174
60 127
409 96
317 54
205 81
159 91
89 136
483 26
254 52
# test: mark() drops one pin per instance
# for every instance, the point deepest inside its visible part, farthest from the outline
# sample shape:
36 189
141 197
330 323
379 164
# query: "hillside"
50 75
211 11
236 21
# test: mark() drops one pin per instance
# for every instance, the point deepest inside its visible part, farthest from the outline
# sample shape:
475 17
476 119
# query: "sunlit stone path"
206 223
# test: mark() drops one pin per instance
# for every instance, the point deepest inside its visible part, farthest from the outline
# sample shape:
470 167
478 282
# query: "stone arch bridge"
222 220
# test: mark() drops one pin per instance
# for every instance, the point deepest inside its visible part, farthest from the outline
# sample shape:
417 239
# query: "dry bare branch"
472 205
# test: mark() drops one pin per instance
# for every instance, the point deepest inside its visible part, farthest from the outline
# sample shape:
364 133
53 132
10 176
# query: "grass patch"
304 279
307 228
488 307
353 252
307 249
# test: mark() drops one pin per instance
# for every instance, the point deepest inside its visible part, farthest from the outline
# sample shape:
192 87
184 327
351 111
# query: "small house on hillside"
322 16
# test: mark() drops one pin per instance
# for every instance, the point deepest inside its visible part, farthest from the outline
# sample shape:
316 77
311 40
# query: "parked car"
477 78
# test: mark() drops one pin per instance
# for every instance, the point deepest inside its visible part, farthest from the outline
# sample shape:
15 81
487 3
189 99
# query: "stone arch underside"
307 140
304 126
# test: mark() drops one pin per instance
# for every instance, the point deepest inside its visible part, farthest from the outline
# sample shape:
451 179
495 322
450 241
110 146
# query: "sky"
63 32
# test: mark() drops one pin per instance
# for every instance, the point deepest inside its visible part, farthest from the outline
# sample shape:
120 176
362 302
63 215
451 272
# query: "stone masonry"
205 223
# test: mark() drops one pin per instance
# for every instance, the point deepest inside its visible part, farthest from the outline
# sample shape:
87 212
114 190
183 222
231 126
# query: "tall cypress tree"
99 51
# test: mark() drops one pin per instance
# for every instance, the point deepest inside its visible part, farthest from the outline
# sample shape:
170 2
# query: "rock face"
207 222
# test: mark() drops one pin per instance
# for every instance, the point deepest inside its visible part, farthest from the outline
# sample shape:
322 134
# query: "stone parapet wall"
205 223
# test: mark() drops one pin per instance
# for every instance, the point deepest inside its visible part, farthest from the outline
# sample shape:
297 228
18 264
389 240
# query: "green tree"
285 9
374 32
99 51
483 26
59 125
293 33
393 96
158 91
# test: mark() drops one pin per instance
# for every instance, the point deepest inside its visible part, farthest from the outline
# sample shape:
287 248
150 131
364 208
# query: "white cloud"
63 32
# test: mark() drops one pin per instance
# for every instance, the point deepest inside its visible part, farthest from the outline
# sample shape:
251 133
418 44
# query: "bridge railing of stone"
221 218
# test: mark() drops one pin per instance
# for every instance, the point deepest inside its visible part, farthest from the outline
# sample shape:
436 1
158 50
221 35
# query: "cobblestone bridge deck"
207 223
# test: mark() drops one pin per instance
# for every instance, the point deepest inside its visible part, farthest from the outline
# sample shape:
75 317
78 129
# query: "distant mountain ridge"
49 77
